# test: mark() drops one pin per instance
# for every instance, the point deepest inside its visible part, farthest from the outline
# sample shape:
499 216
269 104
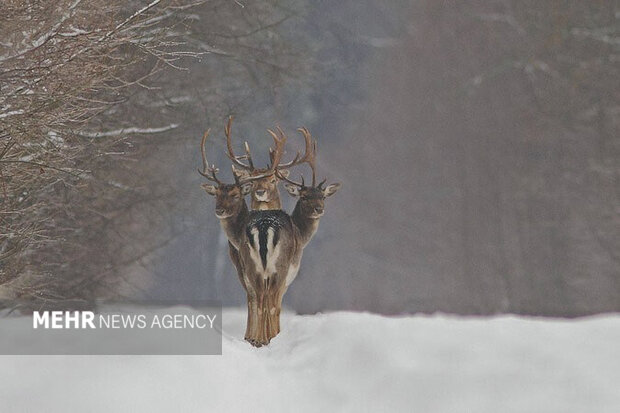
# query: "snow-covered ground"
346 362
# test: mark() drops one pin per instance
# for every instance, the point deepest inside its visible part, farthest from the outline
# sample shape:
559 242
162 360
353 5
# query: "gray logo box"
137 328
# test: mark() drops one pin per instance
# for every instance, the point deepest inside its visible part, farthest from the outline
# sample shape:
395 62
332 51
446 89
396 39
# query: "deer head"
311 201
229 198
311 198
265 193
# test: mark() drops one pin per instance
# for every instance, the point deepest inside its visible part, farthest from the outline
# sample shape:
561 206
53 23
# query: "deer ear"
293 190
246 188
284 173
331 189
210 189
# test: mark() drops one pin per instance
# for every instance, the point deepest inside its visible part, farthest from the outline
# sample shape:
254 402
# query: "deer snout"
261 195
219 211
318 210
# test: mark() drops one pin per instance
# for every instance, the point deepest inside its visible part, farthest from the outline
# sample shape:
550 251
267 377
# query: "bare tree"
63 64
85 202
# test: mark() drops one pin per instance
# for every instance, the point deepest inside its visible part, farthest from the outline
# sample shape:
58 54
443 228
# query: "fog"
477 145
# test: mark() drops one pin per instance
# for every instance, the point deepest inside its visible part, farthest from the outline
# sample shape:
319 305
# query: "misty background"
477 144
478 149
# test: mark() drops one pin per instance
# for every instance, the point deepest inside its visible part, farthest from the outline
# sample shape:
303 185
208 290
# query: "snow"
346 362
11 113
75 31
39 41
129 130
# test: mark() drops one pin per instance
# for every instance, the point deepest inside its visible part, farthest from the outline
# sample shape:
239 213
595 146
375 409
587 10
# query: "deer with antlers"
265 194
266 246
231 209
276 244
311 203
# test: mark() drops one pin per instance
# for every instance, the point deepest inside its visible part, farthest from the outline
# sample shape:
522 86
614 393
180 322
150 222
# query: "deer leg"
252 322
266 330
258 331
264 324
251 332
278 306
272 317
272 308
266 310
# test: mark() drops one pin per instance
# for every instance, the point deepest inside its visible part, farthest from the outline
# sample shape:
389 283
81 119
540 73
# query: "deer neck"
233 226
306 225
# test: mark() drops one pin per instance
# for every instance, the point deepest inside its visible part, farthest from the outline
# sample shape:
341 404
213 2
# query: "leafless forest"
477 144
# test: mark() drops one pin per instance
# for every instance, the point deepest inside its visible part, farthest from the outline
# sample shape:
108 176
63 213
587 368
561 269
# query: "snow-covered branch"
126 131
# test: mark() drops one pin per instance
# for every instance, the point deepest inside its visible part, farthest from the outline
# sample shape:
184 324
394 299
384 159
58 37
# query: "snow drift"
346 362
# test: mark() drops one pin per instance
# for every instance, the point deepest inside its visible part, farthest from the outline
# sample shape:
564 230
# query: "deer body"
257 240
265 250
265 257
233 214
272 254
266 244
305 218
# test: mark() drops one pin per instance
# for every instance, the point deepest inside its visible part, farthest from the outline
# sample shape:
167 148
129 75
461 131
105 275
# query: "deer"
232 210
276 242
266 246
265 194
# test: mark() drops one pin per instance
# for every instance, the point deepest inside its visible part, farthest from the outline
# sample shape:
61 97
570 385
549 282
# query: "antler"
275 154
208 172
310 147
231 153
309 158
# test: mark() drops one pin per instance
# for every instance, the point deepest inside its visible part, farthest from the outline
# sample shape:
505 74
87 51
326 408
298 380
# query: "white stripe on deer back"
273 252
254 249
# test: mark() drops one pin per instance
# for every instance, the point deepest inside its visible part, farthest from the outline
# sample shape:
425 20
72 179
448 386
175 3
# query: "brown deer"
266 245
232 210
275 247
265 194
309 207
